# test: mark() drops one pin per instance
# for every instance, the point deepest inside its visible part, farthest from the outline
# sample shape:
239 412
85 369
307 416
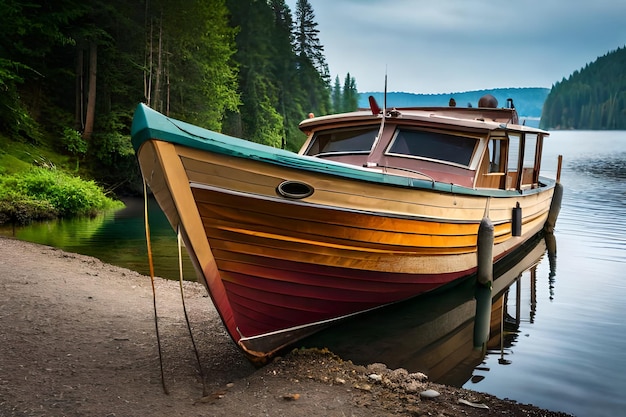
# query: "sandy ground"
77 338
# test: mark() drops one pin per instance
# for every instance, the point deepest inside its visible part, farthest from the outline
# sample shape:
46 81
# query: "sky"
447 46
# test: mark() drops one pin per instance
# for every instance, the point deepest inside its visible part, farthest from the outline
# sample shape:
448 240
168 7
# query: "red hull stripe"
267 299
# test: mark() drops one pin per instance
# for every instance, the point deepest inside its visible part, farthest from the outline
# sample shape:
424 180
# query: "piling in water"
555 208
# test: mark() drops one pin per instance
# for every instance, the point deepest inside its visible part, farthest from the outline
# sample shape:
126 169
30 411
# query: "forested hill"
593 98
72 73
528 101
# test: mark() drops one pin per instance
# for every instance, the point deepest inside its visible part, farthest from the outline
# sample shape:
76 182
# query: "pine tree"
312 69
350 94
337 97
308 46
284 62
258 119
31 32
192 46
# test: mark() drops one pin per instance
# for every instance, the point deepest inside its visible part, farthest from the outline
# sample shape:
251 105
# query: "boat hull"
279 268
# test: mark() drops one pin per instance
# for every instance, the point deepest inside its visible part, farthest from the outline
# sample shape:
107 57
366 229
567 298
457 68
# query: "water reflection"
550 240
115 237
446 334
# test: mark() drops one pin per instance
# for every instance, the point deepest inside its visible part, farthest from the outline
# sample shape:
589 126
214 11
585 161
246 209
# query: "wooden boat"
377 207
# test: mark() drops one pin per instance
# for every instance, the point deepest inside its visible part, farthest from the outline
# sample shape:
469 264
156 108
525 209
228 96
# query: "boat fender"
555 208
484 252
516 221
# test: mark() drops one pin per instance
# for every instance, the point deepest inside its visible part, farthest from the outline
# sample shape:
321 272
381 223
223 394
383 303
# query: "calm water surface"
118 238
568 352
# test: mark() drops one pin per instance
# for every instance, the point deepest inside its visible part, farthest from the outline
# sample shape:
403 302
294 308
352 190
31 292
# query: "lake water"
567 351
118 238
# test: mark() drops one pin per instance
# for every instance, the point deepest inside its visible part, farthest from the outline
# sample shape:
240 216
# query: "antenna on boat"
385 96
374 107
384 112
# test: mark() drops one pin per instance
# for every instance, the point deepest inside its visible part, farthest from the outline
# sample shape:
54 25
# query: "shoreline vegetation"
48 193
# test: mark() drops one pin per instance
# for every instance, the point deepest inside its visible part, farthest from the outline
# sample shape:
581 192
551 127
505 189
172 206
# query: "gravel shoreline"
78 338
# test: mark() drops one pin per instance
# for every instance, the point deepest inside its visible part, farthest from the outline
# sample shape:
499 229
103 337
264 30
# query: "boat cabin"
470 147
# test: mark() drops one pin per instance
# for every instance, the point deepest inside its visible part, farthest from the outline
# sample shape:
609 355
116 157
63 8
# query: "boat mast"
384 114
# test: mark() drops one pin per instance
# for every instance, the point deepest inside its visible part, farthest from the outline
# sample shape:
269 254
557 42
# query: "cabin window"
494 149
342 141
530 166
523 166
434 145
514 147
530 149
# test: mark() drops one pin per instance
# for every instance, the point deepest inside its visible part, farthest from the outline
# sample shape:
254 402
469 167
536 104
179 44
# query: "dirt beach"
77 338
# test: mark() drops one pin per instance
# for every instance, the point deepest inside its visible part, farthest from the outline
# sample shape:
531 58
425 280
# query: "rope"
151 265
182 296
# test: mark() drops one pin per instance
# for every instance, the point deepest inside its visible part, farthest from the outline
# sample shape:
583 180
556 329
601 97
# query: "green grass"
16 156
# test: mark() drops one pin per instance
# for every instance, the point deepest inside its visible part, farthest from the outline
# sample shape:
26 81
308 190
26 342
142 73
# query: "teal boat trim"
149 124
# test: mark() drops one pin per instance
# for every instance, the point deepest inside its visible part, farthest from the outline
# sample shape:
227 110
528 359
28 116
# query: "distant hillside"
593 98
528 101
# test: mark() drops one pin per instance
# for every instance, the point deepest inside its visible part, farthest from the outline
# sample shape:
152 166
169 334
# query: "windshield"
434 145
342 141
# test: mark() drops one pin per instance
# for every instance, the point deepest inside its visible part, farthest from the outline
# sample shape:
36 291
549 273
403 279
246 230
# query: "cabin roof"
476 118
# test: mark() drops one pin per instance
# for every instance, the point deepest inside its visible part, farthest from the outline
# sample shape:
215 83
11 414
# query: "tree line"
592 98
72 72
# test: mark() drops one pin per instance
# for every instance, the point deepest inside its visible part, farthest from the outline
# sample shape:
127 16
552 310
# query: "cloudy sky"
444 46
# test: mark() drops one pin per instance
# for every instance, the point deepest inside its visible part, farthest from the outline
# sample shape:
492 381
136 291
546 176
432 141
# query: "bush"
44 193
23 210
74 143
